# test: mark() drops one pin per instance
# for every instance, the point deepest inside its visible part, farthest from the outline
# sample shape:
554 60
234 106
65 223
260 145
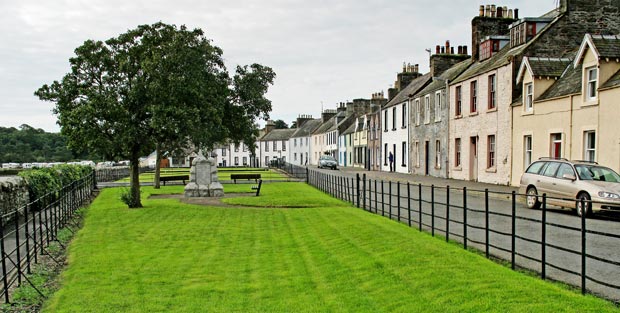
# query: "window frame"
529 97
459 101
457 152
437 154
394 118
591 83
404 153
403 115
527 150
492 103
491 151
587 148
438 106
473 97
427 109
417 111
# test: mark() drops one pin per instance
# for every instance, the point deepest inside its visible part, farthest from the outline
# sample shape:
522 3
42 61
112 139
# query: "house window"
556 146
295 142
245 160
492 97
245 148
527 151
473 104
417 111
283 145
438 106
385 120
236 160
589 153
459 103
491 151
223 152
457 152
236 148
275 146
394 118
437 154
592 83
294 156
404 153
529 97
427 109
404 115
266 161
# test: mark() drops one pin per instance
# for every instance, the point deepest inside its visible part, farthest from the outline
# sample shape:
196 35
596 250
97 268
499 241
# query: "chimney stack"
495 21
269 126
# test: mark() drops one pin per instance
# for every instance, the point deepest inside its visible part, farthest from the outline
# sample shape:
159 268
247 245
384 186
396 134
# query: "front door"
473 159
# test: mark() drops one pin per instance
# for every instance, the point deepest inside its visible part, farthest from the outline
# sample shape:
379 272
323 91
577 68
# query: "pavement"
429 180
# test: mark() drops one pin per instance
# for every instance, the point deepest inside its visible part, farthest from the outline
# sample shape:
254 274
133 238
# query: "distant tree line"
28 144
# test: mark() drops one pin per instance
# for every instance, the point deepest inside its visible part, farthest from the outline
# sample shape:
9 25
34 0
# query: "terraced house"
428 129
395 121
569 106
300 141
481 121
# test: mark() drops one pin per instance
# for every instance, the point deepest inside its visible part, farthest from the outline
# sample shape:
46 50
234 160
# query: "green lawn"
174 257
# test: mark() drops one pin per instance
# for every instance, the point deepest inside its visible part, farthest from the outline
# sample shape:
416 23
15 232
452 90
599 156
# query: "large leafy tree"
156 85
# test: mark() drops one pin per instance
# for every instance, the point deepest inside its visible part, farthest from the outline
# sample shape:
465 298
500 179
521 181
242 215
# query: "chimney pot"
465 50
417 69
481 13
493 11
443 50
509 13
451 50
437 49
516 14
487 11
447 46
505 11
500 12
459 49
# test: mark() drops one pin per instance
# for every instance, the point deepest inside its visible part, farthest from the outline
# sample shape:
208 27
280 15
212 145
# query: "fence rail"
572 250
32 228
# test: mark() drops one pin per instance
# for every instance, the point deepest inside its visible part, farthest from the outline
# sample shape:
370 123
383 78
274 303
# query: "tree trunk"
157 167
135 182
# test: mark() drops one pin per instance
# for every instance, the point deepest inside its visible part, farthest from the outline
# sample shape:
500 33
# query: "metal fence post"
26 231
18 264
514 230
376 202
433 210
390 195
420 207
465 218
408 204
357 186
447 213
583 244
486 221
5 280
382 199
543 247
307 175
398 199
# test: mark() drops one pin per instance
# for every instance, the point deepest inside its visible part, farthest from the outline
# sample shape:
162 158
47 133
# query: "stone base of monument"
203 179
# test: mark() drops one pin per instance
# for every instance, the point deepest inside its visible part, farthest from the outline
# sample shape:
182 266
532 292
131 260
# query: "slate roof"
448 75
607 46
548 67
568 84
413 88
307 128
349 130
278 134
501 58
612 82
323 128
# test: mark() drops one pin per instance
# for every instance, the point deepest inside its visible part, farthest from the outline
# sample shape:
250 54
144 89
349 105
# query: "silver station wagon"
568 184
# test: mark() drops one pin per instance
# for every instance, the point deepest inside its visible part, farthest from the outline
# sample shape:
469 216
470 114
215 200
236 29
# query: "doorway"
473 159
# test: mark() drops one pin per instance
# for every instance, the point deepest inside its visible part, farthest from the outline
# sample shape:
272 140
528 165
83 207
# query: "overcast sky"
323 52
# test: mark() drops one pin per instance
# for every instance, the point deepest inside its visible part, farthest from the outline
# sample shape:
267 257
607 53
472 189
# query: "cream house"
573 114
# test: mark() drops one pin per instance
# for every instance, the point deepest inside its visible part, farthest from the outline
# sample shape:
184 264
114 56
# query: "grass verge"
170 256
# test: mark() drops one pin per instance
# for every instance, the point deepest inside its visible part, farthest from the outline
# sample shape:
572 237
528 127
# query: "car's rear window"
535 167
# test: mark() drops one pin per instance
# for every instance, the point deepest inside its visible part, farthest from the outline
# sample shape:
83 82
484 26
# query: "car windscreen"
597 173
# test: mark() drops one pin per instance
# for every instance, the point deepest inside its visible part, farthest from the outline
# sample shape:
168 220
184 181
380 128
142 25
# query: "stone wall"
13 194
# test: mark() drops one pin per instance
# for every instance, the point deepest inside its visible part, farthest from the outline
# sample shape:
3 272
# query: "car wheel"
531 199
584 206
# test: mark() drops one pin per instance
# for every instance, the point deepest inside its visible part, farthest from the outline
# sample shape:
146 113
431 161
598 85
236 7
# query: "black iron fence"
559 246
110 174
30 231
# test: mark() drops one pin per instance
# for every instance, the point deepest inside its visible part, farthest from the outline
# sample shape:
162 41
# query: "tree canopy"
280 124
156 85
27 144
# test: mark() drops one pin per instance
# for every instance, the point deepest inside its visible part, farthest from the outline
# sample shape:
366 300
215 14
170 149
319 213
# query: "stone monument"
203 181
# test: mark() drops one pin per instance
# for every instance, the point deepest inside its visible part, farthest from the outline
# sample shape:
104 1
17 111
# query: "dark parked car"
328 161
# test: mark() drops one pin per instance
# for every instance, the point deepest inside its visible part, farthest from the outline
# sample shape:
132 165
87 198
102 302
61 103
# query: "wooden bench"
165 179
234 177
257 188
